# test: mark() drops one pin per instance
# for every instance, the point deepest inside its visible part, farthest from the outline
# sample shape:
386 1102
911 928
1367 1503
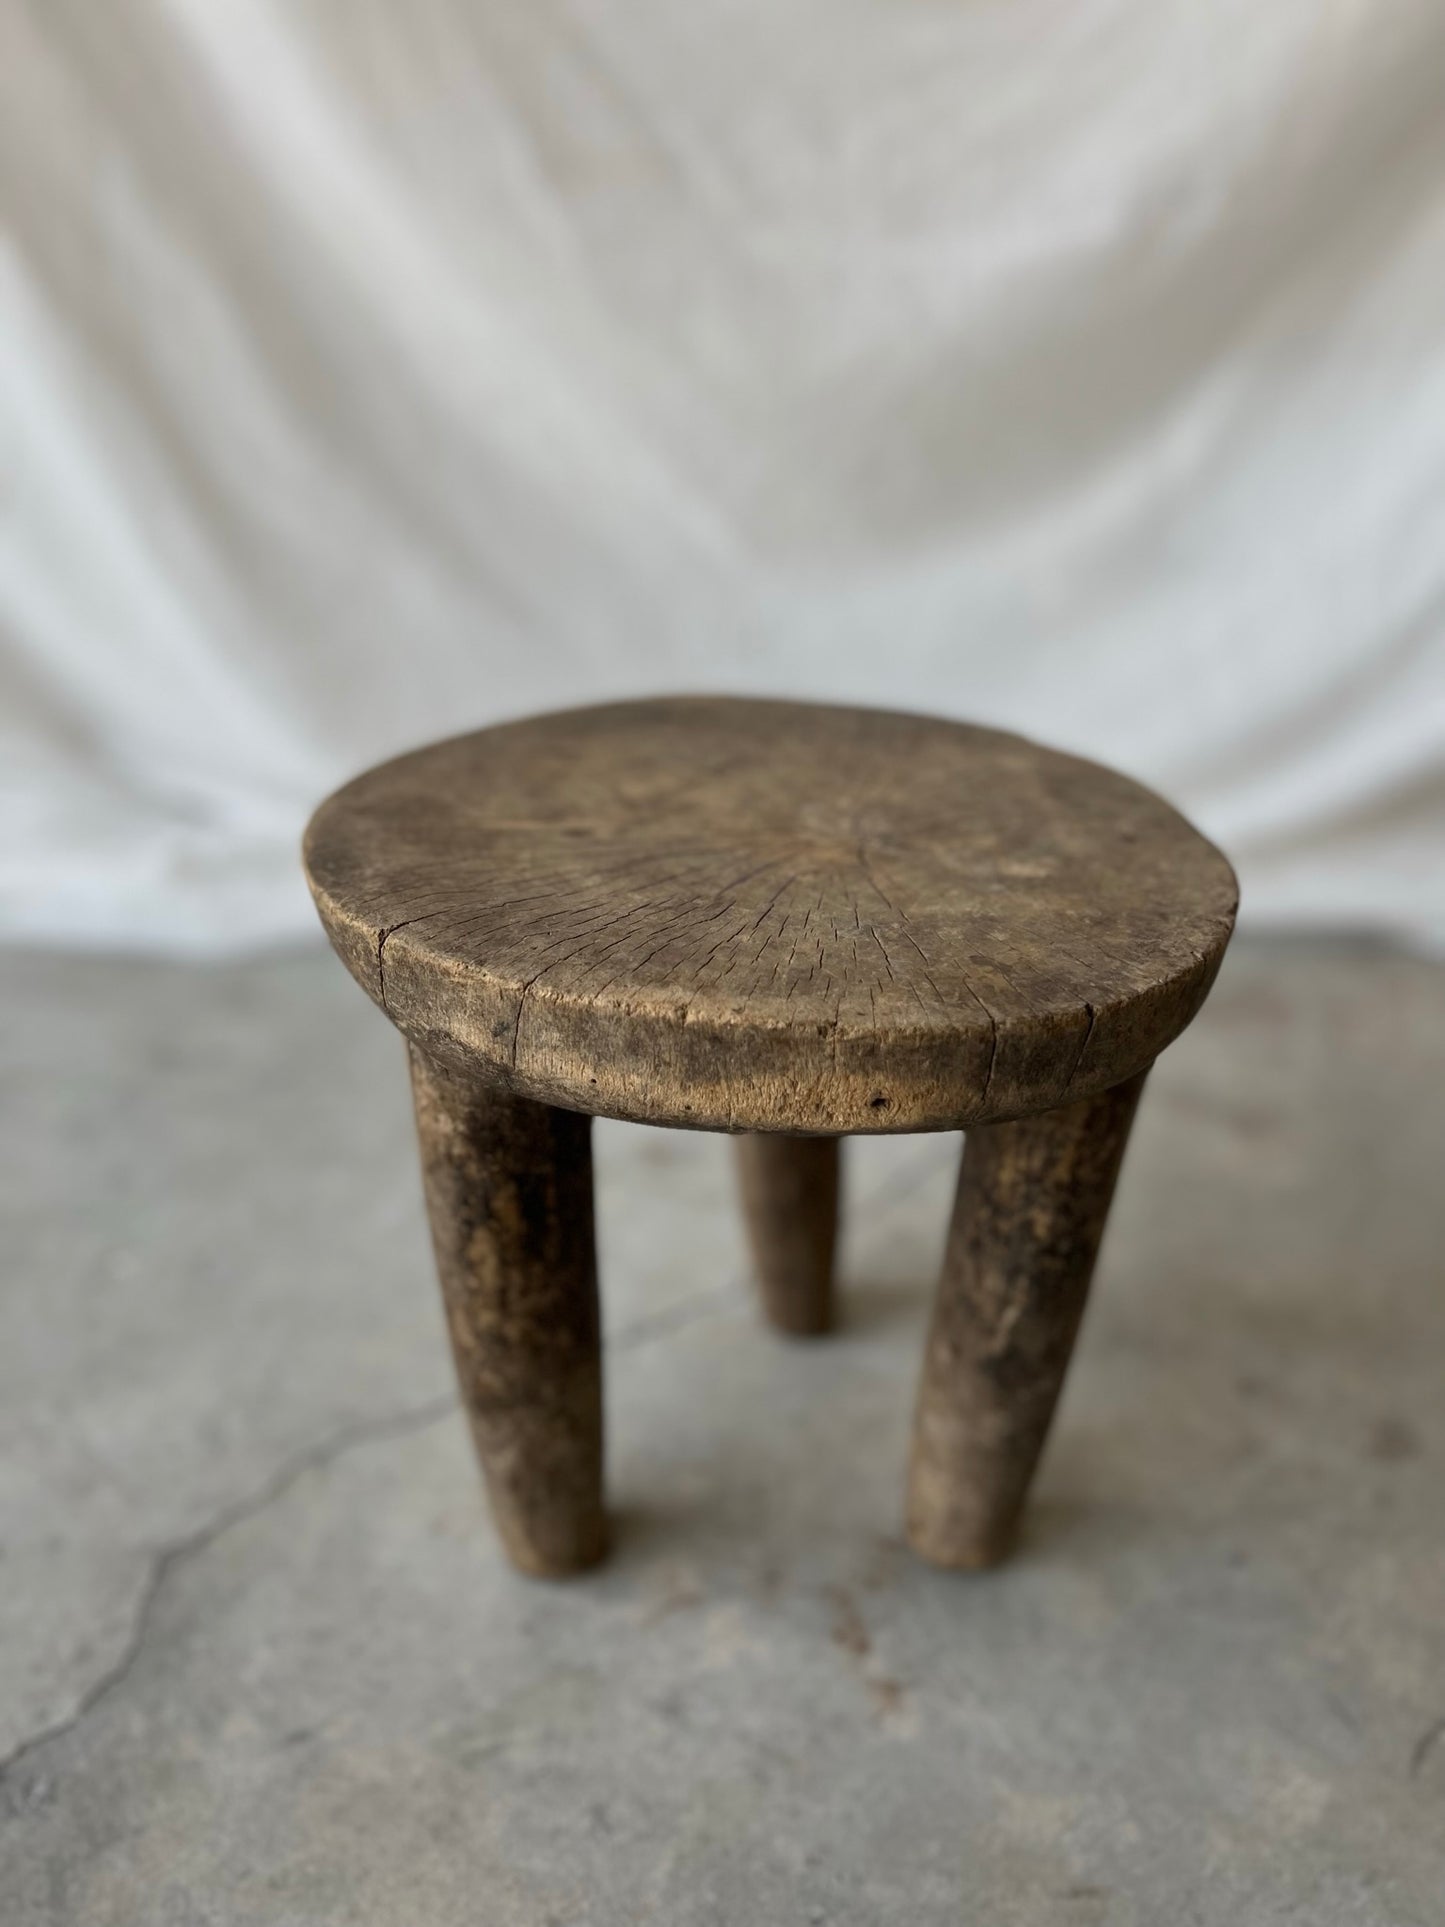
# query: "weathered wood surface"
1033 1197
772 916
509 1194
790 1201
785 920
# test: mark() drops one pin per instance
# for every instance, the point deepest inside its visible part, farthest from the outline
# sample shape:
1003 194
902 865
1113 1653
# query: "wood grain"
746 915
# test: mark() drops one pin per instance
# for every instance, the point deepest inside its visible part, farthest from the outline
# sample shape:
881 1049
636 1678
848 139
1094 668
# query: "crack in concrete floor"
655 1326
1208 1686
312 1458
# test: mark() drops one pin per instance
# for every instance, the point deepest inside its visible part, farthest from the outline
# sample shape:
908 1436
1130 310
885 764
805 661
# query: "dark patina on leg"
1033 1197
509 1194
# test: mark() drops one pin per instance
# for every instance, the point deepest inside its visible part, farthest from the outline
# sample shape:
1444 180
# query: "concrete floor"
260 1660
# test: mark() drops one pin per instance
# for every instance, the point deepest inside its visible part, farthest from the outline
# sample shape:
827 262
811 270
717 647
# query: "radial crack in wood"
774 917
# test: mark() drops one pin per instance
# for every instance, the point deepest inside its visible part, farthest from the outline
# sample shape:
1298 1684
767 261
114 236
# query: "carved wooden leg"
1029 1215
509 1191
790 1200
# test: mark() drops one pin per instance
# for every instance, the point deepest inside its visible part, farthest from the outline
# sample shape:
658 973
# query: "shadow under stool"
793 922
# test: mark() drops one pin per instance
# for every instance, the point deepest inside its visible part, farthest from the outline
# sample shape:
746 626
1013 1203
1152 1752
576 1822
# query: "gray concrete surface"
260 1660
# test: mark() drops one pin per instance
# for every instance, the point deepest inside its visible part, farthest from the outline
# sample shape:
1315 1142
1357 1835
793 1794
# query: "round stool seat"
772 916
794 922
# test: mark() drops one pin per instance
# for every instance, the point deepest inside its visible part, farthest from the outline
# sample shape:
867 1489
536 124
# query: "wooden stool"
790 921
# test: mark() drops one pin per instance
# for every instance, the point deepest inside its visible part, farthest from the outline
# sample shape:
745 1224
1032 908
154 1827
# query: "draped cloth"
372 372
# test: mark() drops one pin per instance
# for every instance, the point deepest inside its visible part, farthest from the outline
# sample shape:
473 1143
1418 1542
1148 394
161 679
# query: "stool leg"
509 1193
790 1201
1027 1221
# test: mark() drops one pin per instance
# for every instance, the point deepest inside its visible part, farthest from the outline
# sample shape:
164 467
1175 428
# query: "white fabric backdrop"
374 371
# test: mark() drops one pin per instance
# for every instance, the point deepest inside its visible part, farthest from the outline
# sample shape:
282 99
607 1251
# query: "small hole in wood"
879 1103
